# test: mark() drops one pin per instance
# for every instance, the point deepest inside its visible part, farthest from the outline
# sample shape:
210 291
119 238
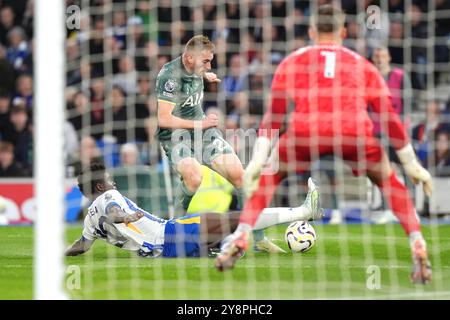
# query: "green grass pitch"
343 264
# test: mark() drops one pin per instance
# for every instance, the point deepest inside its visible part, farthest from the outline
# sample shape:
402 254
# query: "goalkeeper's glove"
413 169
253 171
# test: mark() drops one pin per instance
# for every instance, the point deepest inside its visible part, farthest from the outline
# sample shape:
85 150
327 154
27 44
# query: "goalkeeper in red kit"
331 88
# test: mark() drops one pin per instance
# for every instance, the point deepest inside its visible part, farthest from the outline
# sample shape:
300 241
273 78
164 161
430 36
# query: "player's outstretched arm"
79 247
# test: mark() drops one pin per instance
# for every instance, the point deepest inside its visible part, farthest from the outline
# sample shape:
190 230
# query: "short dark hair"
328 19
442 131
199 43
120 89
89 177
19 108
6 147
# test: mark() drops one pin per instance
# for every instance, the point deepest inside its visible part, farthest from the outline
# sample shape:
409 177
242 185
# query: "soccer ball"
300 236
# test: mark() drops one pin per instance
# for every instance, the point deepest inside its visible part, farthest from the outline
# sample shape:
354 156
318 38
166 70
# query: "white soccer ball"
300 236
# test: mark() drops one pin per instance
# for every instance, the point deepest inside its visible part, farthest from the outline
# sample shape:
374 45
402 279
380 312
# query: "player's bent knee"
193 181
191 172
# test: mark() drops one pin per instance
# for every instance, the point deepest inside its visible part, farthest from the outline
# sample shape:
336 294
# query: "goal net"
114 52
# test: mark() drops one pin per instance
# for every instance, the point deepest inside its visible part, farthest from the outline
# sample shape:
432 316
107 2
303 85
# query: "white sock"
273 216
243 227
413 236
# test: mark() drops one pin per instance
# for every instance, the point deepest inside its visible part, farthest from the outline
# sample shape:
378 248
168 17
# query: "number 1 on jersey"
330 63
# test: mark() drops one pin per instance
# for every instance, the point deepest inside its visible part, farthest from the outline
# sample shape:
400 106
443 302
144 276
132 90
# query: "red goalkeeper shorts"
360 152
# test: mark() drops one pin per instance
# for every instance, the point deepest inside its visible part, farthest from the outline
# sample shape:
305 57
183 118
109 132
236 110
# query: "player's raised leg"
311 209
235 245
230 167
216 227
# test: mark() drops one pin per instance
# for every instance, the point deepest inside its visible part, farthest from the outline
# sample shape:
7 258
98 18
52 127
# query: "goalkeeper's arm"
400 141
405 152
380 98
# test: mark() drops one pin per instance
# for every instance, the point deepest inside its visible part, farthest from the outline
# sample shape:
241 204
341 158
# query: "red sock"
401 203
260 199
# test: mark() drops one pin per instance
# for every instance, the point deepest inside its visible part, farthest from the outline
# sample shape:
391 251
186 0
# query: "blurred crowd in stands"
114 56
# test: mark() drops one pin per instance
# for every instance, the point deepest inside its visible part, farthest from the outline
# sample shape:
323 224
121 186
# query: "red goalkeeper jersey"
330 88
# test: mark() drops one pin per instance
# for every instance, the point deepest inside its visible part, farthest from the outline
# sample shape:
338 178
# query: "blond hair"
199 43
